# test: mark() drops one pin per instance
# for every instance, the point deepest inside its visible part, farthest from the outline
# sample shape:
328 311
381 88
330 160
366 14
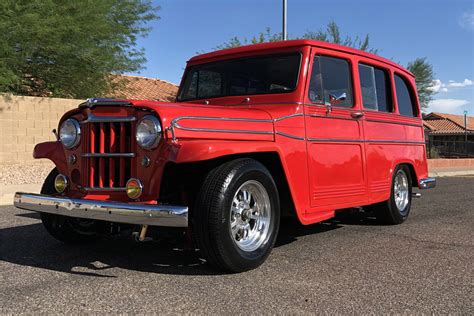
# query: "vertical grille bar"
92 160
101 150
122 149
111 160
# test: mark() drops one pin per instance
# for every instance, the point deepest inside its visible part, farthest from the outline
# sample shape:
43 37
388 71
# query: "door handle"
357 115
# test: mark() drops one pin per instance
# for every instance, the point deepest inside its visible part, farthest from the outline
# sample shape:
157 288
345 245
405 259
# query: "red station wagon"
300 127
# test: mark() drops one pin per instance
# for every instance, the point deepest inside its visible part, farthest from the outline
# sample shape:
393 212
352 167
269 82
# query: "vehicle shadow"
31 245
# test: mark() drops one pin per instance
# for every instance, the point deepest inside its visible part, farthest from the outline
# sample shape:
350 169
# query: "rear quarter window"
375 88
405 97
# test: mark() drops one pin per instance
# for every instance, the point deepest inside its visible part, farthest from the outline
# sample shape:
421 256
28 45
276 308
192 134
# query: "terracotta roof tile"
142 88
458 119
442 123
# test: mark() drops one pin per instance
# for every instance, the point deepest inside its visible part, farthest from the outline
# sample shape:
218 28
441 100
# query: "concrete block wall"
26 121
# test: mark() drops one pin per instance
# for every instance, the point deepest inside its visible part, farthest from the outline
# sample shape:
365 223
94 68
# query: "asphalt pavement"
346 265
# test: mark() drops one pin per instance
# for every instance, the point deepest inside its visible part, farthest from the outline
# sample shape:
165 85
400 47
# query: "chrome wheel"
401 191
250 216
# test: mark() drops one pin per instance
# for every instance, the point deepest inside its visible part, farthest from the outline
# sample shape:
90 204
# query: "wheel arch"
411 169
188 177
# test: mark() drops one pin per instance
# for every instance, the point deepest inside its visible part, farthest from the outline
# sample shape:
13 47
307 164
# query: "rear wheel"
237 215
396 209
64 228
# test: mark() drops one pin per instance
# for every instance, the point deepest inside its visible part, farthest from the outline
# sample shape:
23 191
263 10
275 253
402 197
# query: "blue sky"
402 30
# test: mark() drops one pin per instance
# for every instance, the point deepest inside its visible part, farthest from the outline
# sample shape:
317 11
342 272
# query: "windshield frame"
189 69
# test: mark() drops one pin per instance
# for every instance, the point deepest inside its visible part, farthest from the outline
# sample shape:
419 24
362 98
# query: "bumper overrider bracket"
427 183
117 212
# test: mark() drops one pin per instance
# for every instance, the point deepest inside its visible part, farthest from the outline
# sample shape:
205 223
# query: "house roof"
142 88
443 123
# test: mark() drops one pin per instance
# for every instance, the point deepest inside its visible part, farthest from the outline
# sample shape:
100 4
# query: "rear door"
334 130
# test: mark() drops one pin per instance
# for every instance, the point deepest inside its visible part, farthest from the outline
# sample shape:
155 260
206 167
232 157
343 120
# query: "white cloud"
464 83
467 20
439 86
446 105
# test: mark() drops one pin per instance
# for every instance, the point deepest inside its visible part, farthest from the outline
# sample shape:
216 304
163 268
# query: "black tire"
63 228
212 215
387 212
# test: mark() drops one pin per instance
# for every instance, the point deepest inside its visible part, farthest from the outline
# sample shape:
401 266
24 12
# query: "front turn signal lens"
134 188
60 183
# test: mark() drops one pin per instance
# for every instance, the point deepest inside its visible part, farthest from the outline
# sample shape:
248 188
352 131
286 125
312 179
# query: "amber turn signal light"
60 183
134 188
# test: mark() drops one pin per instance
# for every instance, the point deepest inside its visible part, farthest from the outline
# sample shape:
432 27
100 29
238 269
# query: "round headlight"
148 132
70 133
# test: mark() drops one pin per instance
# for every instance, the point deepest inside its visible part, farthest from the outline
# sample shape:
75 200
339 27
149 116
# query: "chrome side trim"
332 117
129 213
409 142
108 119
427 183
287 117
208 118
212 130
174 124
111 155
290 136
389 122
334 140
384 141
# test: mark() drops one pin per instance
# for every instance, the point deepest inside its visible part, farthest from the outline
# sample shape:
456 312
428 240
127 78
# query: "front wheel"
396 209
64 228
237 215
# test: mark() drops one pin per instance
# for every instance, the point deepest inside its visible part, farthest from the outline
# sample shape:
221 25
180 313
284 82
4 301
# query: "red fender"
52 151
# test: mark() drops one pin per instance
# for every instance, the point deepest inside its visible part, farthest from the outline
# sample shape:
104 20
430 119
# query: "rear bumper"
139 214
427 183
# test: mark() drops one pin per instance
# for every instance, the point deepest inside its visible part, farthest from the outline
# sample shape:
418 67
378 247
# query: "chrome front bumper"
139 214
427 183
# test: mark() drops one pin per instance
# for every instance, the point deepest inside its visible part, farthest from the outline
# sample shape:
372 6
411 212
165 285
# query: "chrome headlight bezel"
72 137
151 140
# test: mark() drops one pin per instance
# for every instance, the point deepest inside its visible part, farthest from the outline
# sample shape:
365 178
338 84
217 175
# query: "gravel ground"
349 265
25 173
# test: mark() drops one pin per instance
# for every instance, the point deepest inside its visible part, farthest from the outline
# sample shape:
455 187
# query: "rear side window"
405 97
375 87
331 81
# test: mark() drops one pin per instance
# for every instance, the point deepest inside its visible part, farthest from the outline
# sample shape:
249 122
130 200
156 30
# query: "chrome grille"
108 152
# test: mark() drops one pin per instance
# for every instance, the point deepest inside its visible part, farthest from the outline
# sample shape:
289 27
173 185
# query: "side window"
375 87
204 83
191 91
331 81
405 97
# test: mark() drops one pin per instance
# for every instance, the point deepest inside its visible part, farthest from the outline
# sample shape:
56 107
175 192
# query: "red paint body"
350 164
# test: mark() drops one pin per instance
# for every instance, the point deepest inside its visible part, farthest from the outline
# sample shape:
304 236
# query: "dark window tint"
331 82
375 87
203 82
243 76
406 104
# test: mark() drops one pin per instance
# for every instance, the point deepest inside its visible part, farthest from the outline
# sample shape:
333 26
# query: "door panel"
335 139
336 158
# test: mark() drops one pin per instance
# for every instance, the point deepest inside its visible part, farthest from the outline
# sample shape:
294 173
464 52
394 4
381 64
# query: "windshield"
243 76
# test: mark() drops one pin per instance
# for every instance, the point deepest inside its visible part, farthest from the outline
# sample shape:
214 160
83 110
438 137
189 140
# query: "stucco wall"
26 121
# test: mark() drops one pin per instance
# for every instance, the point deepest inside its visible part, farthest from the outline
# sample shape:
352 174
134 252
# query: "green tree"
424 77
420 67
331 34
69 48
